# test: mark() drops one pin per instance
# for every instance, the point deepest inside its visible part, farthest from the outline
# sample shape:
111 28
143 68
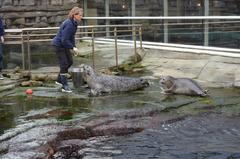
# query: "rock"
31 83
52 113
7 87
39 77
237 78
52 77
17 69
16 76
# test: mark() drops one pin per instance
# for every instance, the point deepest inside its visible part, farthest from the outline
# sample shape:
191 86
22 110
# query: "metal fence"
26 36
165 29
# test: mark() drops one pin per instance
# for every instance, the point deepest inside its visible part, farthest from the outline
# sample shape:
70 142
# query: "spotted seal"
101 83
184 86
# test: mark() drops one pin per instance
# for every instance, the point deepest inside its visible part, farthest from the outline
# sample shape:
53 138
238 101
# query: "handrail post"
93 49
140 36
116 48
29 54
23 54
135 42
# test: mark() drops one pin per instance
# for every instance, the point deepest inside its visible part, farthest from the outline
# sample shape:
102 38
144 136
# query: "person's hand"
2 39
76 51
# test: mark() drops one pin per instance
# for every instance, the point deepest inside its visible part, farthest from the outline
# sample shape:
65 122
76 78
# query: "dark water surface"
210 130
209 136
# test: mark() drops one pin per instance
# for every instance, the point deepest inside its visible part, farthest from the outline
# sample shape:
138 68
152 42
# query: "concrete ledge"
227 52
211 71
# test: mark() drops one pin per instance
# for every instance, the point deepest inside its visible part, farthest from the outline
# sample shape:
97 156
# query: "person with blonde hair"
64 45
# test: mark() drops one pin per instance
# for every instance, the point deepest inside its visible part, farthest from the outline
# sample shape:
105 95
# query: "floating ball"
29 91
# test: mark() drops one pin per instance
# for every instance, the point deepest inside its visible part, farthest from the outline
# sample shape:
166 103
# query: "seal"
184 86
101 83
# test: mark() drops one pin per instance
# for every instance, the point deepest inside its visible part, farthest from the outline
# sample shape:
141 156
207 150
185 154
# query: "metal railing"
163 28
167 22
26 36
164 18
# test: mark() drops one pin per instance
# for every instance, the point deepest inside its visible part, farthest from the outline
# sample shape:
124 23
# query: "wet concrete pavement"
209 70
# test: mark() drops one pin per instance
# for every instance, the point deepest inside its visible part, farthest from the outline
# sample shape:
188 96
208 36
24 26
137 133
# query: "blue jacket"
1 28
66 35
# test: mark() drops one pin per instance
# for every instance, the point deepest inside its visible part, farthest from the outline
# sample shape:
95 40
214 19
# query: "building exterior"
34 13
214 32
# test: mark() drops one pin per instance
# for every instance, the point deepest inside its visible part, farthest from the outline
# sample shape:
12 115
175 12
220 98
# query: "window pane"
185 7
149 7
120 8
224 33
96 9
224 7
186 32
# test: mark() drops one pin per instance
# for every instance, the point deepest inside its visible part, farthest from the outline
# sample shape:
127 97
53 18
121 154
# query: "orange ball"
29 91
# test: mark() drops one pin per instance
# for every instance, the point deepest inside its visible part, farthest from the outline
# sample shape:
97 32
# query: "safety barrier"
26 36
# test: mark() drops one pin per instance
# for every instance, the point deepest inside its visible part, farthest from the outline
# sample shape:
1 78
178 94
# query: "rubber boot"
65 87
58 82
1 76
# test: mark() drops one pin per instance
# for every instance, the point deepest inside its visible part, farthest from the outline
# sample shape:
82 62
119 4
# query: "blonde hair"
74 10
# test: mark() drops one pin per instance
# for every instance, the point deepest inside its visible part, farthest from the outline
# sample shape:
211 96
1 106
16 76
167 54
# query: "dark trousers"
1 56
65 59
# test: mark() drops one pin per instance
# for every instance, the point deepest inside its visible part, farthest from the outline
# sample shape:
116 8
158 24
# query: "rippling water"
210 129
208 136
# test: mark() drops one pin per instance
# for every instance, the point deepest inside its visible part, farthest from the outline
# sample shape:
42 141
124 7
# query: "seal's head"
144 82
87 71
167 81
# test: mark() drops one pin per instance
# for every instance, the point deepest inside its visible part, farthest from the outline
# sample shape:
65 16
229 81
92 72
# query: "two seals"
101 83
184 86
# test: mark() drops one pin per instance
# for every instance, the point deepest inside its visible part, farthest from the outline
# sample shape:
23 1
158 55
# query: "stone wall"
35 13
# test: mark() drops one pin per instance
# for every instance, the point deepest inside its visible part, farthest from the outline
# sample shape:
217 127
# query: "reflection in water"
14 107
204 136
215 132
6 120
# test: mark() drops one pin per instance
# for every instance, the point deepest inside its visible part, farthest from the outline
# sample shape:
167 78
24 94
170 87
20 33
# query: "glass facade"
152 29
224 33
119 8
224 7
149 8
185 7
95 9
